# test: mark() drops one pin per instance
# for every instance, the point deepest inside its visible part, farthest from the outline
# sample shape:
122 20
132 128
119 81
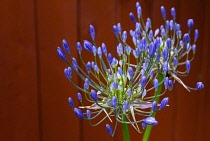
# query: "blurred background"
34 90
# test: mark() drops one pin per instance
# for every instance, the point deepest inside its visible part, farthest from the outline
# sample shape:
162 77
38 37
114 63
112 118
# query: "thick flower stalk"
124 90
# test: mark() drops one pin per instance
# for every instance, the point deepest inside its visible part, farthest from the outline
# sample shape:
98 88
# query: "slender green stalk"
125 130
149 127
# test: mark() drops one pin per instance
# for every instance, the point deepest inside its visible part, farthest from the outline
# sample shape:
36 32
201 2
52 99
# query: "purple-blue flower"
79 113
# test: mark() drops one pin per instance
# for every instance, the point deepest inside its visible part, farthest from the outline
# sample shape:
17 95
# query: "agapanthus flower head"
120 87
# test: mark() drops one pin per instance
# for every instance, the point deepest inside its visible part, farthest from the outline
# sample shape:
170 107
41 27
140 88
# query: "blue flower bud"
88 46
144 92
115 85
88 67
150 121
61 54
163 12
175 61
79 113
110 58
86 84
130 72
109 129
163 103
190 24
142 72
96 68
188 46
156 83
157 57
120 71
132 17
108 102
94 50
188 66
147 26
79 47
124 36
144 43
120 49
74 63
71 102
119 27
143 124
156 32
165 54
139 11
173 12
135 54
66 46
181 43
163 32
186 38
116 31
199 85
92 32
88 112
165 67
151 50
143 81
93 95
68 72
179 34
93 64
177 27
129 92
196 35
151 74
150 36
166 82
114 102
99 52
168 43
128 50
103 46
175 51
126 105
145 65
154 106
194 48
137 5
170 85
171 24
79 96
124 108
114 62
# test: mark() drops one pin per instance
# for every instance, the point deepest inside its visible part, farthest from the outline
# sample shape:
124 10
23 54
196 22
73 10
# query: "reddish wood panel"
57 20
101 14
18 76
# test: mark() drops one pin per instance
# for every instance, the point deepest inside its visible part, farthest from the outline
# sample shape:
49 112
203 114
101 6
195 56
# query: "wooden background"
34 91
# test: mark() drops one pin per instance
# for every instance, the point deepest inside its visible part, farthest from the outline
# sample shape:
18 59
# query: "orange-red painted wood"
18 76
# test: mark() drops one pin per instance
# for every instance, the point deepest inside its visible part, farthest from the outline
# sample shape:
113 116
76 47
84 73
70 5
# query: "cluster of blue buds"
119 88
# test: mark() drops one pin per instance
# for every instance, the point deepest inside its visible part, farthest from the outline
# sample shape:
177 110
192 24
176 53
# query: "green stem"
149 127
125 130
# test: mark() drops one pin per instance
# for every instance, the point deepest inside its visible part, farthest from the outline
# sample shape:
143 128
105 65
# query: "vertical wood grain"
18 77
101 14
56 20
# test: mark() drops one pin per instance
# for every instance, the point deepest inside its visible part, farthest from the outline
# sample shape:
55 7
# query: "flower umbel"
121 88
